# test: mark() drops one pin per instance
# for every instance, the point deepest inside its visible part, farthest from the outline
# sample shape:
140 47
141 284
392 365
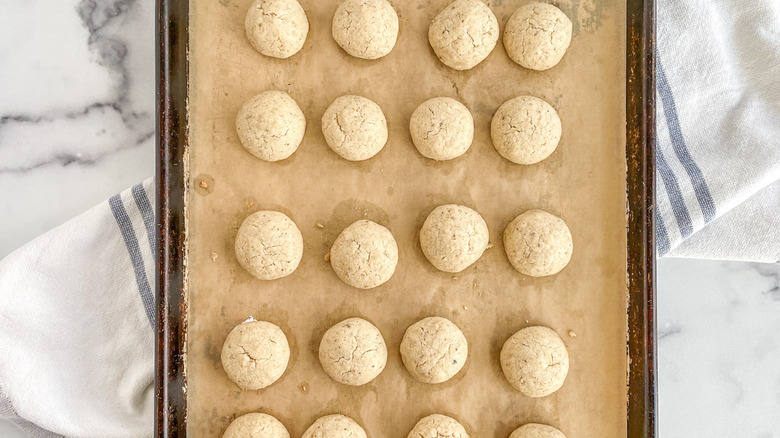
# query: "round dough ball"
538 243
276 28
269 245
535 361
438 426
434 350
365 29
534 430
255 354
442 128
364 255
463 34
256 425
453 237
353 352
354 127
270 125
525 130
537 35
334 426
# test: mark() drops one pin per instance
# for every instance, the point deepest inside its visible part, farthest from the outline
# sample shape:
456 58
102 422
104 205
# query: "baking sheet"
583 182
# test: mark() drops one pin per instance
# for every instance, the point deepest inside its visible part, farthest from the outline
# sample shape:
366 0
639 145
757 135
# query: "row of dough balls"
269 245
462 35
524 130
255 425
256 353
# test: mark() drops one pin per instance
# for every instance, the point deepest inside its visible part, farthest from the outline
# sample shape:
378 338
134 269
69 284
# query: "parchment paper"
583 182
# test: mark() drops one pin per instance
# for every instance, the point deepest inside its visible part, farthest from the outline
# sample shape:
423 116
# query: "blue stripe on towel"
700 187
679 208
661 235
131 242
147 213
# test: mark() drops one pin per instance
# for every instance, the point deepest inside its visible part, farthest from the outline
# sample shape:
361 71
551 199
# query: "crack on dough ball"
463 34
538 243
364 255
269 245
438 426
354 127
270 125
453 237
255 354
535 361
276 28
353 352
442 128
335 426
535 430
525 130
434 350
365 29
537 36
256 425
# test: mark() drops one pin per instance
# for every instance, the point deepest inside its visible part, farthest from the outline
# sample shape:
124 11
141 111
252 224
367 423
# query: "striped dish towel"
718 127
76 324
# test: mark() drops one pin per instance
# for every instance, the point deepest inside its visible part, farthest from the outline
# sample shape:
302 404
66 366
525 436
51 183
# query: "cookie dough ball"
365 29
453 237
334 426
364 255
270 125
535 361
276 28
537 35
434 350
463 34
538 243
525 130
269 245
255 354
354 127
256 425
438 426
442 128
353 352
534 430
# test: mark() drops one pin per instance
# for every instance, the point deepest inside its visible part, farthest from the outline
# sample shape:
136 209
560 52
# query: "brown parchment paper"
583 182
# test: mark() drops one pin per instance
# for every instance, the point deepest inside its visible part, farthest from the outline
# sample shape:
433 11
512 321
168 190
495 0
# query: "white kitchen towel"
718 126
76 324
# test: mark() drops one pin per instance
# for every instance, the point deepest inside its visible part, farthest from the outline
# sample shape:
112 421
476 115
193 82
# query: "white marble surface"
77 125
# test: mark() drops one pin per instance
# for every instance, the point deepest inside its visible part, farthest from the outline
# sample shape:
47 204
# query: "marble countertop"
77 126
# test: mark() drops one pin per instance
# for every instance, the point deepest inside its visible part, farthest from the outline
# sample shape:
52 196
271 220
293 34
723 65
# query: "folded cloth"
76 324
718 127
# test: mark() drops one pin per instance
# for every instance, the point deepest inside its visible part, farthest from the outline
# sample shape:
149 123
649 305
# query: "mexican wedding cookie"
354 127
269 245
276 28
353 352
365 29
256 425
334 426
537 35
453 237
438 426
442 128
535 361
463 34
255 354
270 125
525 130
538 243
534 430
364 255
434 350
